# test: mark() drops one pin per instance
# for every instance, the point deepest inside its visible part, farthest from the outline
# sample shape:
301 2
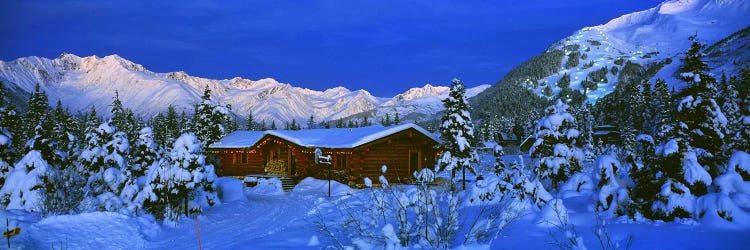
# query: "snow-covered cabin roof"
322 138
239 139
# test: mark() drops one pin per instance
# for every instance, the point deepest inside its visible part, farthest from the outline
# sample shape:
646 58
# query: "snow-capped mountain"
83 82
419 103
645 37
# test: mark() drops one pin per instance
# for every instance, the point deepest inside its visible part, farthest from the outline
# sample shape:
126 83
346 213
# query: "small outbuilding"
355 153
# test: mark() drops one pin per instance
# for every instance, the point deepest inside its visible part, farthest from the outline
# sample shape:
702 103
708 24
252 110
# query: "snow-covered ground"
263 217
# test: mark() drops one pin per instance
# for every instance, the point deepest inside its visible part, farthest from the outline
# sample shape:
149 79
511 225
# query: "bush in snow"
729 203
511 180
399 216
457 132
579 184
674 200
672 190
554 148
739 162
613 196
184 184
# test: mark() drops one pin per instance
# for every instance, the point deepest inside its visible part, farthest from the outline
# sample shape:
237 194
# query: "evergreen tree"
31 181
182 184
366 121
92 120
661 108
585 122
209 119
251 123
700 121
38 109
28 184
9 122
144 153
386 121
396 119
6 153
263 125
166 127
92 160
730 107
457 132
564 82
311 123
340 123
273 124
124 119
647 117
294 125
558 159
63 134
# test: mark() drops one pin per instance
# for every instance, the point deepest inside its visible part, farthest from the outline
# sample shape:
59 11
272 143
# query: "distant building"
356 152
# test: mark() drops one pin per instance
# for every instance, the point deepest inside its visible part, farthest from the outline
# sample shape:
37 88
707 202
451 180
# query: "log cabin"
355 153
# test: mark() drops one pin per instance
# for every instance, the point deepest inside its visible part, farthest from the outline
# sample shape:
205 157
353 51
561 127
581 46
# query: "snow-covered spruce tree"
144 154
731 107
742 137
116 163
63 131
557 157
643 172
68 183
457 132
700 123
90 121
681 179
182 185
9 126
91 161
37 110
209 119
498 152
102 164
661 108
6 154
143 157
123 119
29 183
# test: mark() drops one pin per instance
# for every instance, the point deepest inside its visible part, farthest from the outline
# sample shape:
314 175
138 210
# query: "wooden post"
7 227
329 180
198 228
463 171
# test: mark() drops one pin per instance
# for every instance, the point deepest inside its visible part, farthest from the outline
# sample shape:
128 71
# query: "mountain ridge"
85 82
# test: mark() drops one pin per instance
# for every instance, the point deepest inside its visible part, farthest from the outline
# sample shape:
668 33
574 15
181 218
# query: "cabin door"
414 162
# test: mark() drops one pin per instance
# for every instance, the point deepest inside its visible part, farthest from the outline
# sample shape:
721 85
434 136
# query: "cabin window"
341 161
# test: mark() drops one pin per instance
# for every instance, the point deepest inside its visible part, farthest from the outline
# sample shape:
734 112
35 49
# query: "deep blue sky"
383 46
